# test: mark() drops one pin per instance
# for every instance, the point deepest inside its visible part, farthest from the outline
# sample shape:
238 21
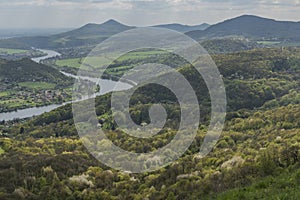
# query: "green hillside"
252 27
227 45
257 156
27 70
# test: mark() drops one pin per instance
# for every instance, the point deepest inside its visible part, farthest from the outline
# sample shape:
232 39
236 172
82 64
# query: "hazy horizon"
101 22
42 14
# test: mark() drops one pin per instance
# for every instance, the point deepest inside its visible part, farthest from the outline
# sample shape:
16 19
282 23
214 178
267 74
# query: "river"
50 54
106 86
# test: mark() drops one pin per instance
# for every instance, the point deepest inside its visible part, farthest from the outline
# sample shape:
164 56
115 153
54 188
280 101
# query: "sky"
75 13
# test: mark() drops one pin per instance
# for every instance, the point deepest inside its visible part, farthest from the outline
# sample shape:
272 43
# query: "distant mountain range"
246 26
184 28
106 29
88 34
25 32
251 27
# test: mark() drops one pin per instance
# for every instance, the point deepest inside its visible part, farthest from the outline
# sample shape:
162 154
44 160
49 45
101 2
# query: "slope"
251 27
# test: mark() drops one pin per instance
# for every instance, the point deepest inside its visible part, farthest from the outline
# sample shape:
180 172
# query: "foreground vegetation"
257 149
257 156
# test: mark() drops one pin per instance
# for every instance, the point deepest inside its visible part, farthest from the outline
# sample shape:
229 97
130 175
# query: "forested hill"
26 70
252 27
88 34
257 156
255 79
227 45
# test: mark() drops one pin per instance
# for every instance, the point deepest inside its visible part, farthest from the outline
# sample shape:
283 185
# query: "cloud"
52 2
254 2
155 4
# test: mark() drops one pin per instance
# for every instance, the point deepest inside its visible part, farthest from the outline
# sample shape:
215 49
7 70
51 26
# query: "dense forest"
257 156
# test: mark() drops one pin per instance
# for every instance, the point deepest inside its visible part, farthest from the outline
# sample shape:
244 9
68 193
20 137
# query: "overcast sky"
75 13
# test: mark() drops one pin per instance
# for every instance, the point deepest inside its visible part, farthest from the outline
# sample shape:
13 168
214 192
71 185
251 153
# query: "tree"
22 130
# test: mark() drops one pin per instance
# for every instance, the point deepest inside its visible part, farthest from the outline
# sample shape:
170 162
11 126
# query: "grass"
77 63
89 62
37 85
12 51
72 62
285 186
140 55
98 62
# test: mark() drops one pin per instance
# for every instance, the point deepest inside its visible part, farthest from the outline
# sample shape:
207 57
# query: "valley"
258 145
32 98
257 156
25 84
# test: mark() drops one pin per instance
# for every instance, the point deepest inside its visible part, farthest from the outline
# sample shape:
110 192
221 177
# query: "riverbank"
106 86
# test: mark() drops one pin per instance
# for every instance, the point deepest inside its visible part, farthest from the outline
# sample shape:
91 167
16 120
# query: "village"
16 97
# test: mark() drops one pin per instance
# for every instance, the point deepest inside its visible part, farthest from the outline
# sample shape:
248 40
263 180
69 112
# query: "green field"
37 85
140 55
72 62
98 62
12 51
89 62
284 186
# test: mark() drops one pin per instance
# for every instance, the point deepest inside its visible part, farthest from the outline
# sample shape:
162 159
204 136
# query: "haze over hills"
108 28
246 26
252 27
86 35
183 28
26 32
